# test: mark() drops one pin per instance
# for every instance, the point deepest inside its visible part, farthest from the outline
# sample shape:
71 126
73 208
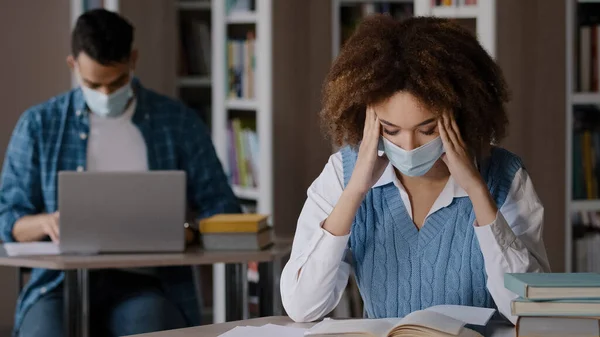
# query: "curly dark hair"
438 61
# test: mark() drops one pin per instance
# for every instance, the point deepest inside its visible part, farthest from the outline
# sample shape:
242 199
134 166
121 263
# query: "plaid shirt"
48 139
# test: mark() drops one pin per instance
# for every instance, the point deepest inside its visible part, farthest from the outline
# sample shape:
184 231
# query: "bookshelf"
242 115
585 98
347 14
194 50
242 89
583 136
477 15
242 18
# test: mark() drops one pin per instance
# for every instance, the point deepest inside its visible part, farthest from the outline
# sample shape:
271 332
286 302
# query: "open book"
438 321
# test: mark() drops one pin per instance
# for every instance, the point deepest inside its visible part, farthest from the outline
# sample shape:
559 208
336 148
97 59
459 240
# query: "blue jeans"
121 303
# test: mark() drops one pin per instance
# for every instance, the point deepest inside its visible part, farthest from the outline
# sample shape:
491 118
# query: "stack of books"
556 304
236 232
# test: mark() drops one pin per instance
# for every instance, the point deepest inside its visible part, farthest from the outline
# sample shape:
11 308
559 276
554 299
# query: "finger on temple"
444 134
450 131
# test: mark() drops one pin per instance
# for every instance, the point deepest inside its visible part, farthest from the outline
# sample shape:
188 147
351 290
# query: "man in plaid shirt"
109 123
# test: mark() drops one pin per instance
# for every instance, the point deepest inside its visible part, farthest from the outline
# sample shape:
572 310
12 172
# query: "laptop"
128 212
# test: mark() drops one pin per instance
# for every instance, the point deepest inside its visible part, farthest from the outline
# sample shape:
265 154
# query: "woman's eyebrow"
425 122
383 121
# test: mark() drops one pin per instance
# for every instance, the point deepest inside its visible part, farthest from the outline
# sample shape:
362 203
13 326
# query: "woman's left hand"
462 168
457 157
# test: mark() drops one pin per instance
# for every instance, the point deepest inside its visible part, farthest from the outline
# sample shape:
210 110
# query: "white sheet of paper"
31 248
272 330
469 315
269 330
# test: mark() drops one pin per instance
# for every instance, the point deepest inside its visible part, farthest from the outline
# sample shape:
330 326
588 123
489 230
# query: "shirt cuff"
497 234
326 247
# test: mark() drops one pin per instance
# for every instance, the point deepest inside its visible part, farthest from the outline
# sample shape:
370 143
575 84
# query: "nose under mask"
415 162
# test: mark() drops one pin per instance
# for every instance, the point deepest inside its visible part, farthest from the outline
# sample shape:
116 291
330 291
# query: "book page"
273 330
269 330
368 327
469 315
433 320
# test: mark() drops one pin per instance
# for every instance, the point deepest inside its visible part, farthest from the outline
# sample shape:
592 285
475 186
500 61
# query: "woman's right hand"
369 165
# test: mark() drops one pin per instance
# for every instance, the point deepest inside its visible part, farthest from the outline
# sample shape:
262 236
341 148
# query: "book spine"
237 129
587 164
252 64
231 69
578 171
255 156
593 58
246 84
240 68
247 158
584 58
234 174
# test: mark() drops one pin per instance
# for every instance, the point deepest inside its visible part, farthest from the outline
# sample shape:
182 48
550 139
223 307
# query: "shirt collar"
452 189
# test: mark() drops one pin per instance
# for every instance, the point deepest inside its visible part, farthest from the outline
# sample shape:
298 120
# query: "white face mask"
112 105
415 162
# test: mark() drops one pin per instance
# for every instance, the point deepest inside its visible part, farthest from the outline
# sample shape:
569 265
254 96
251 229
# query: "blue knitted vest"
400 269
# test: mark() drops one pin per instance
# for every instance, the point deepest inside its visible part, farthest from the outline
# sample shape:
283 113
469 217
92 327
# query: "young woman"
428 211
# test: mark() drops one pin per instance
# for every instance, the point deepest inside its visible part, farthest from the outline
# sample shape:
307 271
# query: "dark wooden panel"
531 52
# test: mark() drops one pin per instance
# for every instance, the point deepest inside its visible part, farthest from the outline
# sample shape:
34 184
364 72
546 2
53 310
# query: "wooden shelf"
585 205
241 18
194 82
455 12
586 98
241 104
194 5
248 193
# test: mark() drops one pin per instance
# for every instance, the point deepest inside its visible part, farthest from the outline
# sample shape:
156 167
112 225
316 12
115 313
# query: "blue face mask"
112 105
415 162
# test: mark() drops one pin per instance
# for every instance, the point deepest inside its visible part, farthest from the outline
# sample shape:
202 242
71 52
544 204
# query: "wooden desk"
215 330
192 256
76 267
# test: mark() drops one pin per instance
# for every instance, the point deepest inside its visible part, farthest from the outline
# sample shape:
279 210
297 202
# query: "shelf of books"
479 16
452 11
242 117
195 53
242 107
347 14
583 137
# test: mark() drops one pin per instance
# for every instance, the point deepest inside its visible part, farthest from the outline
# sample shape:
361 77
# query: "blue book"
557 308
554 286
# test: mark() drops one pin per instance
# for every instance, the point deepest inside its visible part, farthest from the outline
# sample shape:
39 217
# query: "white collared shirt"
316 275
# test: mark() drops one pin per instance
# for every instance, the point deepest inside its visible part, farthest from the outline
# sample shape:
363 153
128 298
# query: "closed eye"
391 133
428 132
